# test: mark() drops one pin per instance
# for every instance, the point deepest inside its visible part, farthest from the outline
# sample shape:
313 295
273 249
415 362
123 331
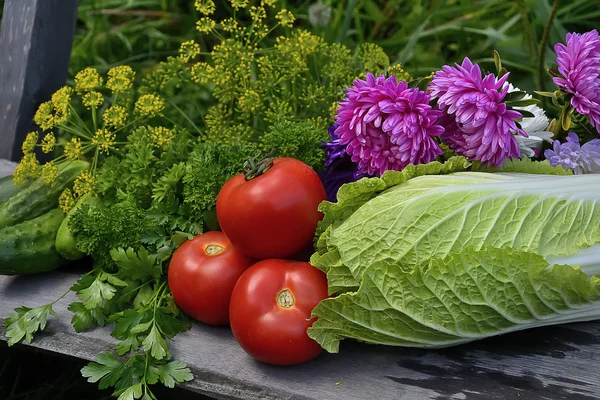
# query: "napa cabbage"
444 254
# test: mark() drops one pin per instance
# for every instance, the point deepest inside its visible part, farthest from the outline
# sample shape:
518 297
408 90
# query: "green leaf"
497 62
132 392
140 265
105 366
544 94
514 96
99 290
129 319
526 114
468 295
125 346
524 103
175 371
82 317
25 322
156 344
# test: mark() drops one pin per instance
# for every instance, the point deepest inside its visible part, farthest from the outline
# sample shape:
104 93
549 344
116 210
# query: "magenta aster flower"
571 155
478 125
385 125
579 64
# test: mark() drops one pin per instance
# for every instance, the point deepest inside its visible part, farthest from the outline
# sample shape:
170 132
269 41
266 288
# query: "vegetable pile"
456 208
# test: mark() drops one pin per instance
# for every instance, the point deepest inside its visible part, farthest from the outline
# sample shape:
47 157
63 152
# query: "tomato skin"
201 283
274 215
267 331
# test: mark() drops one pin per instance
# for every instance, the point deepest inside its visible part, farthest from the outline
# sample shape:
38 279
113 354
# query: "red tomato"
270 310
202 274
273 215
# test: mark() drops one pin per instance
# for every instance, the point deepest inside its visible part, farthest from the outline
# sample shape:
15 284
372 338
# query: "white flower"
535 127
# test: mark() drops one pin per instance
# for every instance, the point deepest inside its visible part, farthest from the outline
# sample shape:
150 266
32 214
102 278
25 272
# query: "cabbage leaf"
438 260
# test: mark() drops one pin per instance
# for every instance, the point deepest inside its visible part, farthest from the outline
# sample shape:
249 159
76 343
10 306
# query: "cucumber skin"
39 197
65 241
8 188
28 247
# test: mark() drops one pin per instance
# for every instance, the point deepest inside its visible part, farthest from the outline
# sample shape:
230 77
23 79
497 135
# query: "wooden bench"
561 362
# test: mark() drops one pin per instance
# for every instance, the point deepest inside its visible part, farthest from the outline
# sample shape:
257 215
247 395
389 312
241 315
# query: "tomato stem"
255 169
213 249
285 298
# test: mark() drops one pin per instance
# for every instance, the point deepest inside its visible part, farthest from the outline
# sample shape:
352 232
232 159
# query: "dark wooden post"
35 47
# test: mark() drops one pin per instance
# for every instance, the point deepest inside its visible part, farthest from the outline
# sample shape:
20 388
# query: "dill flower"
48 142
149 104
285 18
205 7
269 3
61 99
228 25
398 71
237 4
104 140
29 143
258 14
43 116
374 58
205 25
386 125
49 172
87 80
66 201
161 136
28 167
189 50
73 149
85 183
579 66
120 78
93 99
115 116
571 155
483 127
201 72
249 102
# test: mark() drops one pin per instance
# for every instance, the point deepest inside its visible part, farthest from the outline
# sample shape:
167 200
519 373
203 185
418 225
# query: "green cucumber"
65 241
28 247
8 188
39 197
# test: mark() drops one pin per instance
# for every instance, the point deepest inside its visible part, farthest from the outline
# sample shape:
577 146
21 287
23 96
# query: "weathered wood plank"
548 363
35 48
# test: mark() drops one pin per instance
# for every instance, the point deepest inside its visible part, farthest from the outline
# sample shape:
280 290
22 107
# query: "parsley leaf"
136 265
156 344
105 367
84 318
25 322
174 371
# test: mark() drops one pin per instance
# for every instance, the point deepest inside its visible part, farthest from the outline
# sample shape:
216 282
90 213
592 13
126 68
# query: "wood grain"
548 363
35 48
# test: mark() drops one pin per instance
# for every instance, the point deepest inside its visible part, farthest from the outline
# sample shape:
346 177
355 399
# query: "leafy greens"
439 260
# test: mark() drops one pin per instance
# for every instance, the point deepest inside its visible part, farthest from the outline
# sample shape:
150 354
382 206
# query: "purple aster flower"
579 64
340 168
385 125
478 123
571 155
